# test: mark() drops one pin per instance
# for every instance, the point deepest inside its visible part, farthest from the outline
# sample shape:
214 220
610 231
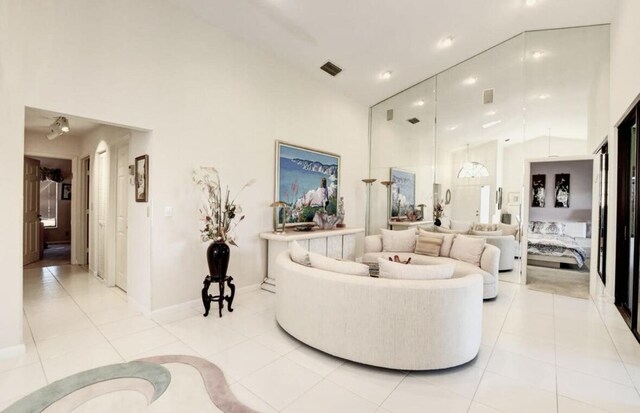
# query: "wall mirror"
480 124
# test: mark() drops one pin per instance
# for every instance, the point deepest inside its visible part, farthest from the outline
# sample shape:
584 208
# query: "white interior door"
485 204
466 203
31 209
101 212
121 216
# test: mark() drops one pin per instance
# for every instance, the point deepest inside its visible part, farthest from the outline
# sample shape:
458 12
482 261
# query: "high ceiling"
39 121
367 38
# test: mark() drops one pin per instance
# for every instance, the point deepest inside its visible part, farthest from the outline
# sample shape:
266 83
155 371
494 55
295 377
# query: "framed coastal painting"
403 192
142 178
538 194
563 184
306 180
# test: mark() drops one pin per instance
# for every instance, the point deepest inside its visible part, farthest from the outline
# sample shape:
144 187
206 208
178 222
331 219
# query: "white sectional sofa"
489 262
398 324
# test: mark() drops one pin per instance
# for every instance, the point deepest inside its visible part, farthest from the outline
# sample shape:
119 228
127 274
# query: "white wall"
580 195
208 100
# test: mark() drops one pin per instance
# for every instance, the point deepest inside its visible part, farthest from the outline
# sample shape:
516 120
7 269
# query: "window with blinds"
49 203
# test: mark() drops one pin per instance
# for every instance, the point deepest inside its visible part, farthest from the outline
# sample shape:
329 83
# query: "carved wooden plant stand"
220 298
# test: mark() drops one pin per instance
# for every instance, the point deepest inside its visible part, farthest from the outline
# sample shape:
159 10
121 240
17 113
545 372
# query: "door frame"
76 228
526 201
84 212
119 147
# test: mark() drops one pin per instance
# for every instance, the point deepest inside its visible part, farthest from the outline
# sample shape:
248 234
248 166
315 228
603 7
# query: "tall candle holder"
388 185
277 206
368 182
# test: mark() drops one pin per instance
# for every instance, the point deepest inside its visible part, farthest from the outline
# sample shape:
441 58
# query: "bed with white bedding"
556 243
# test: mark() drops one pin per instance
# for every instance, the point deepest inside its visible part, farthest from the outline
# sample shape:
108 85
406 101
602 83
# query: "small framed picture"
66 192
513 198
142 178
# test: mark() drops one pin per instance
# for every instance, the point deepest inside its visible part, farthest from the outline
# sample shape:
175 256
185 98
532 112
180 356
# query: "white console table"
334 243
401 225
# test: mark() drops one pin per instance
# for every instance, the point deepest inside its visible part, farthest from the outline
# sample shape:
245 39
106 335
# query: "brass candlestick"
276 205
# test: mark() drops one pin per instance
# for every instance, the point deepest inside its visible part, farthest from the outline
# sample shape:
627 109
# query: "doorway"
627 254
122 188
102 188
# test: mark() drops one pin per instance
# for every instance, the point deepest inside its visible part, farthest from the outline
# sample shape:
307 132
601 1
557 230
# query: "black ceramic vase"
218 255
437 222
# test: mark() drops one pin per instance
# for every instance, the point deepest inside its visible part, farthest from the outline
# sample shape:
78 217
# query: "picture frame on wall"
538 190
513 198
562 190
403 192
306 180
141 175
65 194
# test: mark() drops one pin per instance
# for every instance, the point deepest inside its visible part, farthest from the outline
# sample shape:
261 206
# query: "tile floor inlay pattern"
540 353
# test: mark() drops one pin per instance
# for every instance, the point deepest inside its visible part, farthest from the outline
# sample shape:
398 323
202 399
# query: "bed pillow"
399 271
461 225
487 233
299 254
398 241
550 228
343 267
447 240
428 245
508 229
468 249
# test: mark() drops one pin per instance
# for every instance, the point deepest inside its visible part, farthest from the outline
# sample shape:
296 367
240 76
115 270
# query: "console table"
402 225
334 243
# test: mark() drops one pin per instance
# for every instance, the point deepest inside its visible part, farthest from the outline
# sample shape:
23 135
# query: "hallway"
540 352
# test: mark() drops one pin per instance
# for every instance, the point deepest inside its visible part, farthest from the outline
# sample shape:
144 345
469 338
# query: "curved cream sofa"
489 262
397 324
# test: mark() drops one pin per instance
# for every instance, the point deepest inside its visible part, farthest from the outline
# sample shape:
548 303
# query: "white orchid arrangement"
220 215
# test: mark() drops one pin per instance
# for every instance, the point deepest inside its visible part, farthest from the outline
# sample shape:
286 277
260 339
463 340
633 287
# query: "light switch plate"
168 211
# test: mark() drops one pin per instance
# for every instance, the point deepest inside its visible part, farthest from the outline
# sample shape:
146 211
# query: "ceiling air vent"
331 68
413 120
389 114
487 96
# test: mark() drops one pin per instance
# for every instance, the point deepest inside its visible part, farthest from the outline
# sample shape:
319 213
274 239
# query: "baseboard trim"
12 351
193 303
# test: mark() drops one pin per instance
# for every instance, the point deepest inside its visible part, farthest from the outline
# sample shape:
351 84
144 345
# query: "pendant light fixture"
472 169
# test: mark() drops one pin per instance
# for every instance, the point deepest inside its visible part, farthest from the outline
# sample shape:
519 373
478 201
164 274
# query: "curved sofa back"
398 324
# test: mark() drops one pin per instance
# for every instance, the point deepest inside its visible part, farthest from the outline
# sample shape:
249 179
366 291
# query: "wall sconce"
276 208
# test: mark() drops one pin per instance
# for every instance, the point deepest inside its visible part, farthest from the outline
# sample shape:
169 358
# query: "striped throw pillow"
428 245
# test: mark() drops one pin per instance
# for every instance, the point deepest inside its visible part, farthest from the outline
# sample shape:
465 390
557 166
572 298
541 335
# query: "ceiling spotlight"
57 128
490 124
530 3
420 103
452 128
471 80
446 42
385 75
543 97
537 54
491 113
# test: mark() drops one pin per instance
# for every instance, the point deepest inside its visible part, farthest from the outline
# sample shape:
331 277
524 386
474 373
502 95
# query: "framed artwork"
563 186
513 198
403 192
538 184
142 178
66 192
306 180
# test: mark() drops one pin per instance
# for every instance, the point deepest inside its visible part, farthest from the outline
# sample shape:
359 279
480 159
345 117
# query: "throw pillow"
468 249
447 240
487 233
452 231
394 270
485 227
343 267
550 228
299 254
398 241
508 229
429 245
461 225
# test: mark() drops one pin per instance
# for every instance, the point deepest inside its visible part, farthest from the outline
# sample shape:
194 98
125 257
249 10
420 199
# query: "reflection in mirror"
402 144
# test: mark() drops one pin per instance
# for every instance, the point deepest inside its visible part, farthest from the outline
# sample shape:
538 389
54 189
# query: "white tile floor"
540 353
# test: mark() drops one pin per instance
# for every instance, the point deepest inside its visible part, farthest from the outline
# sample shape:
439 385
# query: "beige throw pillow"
299 254
398 241
343 267
397 271
468 249
447 240
451 231
487 233
428 245
461 225
508 229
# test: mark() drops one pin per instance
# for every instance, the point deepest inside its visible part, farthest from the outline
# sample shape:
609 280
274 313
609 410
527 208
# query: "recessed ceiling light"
507 140
543 96
385 75
452 128
445 42
538 54
491 113
530 3
470 80
419 102
490 124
